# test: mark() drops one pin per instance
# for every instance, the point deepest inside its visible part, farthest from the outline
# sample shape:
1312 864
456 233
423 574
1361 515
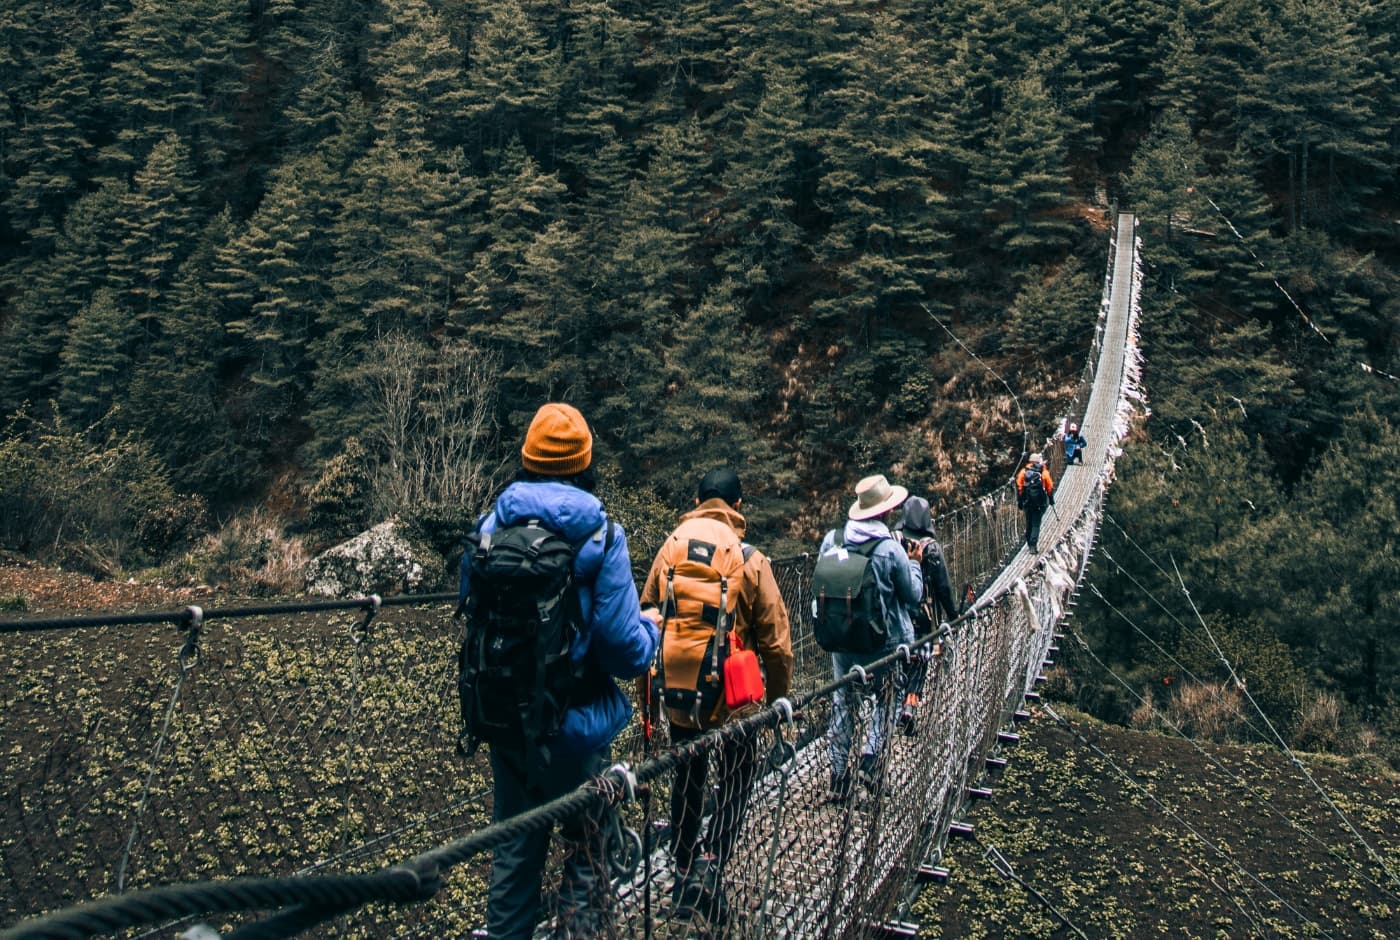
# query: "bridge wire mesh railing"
326 746
322 750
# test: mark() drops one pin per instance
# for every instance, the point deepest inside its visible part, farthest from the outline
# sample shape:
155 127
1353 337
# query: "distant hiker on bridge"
1035 491
705 577
938 605
865 587
552 618
1074 445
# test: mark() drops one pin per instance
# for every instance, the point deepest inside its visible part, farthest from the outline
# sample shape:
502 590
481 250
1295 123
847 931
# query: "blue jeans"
514 904
845 703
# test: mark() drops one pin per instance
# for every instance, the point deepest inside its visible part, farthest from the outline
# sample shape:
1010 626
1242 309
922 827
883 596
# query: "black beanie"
723 483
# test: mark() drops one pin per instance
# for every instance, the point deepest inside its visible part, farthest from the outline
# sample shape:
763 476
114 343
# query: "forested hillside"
272 272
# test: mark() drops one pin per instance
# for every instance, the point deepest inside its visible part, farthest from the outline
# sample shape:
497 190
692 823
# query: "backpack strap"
864 548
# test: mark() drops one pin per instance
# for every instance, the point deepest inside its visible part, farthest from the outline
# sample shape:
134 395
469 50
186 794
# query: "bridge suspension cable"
1166 810
1244 690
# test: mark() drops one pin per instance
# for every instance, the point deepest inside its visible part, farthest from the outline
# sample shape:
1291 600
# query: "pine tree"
714 380
1311 103
423 104
1162 186
1329 581
645 277
1243 250
96 360
759 182
159 223
54 150
175 68
177 400
269 284
518 299
597 68
886 238
1023 183
400 246
513 82
53 294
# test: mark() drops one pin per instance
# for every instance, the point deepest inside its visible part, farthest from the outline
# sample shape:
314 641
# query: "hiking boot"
870 776
842 788
906 720
699 892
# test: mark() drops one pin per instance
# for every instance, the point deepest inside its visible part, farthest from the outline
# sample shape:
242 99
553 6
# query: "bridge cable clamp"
626 777
783 707
904 652
191 621
359 632
860 673
783 751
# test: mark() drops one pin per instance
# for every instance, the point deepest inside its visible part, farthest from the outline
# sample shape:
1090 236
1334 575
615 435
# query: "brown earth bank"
1114 833
27 587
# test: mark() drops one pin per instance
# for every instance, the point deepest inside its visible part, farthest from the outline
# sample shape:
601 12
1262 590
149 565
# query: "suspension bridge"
195 774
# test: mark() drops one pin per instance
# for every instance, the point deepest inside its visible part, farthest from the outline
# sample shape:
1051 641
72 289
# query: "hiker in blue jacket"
901 589
1074 445
555 486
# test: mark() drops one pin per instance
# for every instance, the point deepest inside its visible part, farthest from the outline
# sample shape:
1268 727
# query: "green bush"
104 501
339 501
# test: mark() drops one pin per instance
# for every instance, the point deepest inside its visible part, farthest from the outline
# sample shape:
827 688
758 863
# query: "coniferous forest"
272 272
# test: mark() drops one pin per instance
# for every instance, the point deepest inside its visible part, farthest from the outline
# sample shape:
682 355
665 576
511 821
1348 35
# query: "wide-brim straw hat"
875 496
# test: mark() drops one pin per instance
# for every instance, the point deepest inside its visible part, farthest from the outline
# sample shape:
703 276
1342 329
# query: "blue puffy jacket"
617 640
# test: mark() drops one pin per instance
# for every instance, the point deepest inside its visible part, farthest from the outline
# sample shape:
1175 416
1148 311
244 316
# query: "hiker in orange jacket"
760 618
1034 492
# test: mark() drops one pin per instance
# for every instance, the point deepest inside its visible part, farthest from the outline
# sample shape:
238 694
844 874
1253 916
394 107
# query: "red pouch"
743 681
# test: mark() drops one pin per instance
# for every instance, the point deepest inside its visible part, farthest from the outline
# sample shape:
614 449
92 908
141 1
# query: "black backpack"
925 615
517 675
849 615
1033 490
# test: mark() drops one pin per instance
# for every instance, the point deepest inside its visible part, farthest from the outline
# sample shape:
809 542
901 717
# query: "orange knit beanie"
558 443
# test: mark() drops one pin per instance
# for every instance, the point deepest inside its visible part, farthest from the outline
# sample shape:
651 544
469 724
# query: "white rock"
377 561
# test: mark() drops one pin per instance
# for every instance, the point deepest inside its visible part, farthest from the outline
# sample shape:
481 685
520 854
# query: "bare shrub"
1060 685
1320 724
433 425
1208 711
91 498
1147 716
251 555
1368 739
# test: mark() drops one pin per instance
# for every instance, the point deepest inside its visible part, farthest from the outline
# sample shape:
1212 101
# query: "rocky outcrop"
381 560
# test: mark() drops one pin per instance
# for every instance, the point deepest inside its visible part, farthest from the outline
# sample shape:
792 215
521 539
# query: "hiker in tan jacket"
709 541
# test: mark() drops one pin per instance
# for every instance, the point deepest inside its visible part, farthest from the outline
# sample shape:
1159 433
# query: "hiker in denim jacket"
901 589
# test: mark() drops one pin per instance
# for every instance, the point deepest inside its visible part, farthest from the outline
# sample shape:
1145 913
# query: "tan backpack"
704 561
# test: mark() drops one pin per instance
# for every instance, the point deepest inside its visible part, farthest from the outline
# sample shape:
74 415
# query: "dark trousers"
1033 517
738 764
514 904
918 670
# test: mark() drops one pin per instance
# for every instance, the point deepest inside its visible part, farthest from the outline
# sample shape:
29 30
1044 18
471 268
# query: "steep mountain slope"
1216 841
